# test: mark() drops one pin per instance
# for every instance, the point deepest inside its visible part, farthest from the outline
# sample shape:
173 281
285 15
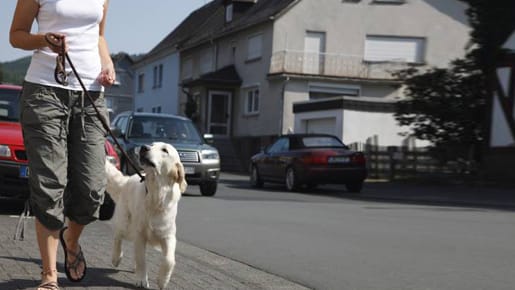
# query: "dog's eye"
165 150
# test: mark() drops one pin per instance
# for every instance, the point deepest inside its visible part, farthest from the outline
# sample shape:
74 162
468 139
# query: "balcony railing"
332 65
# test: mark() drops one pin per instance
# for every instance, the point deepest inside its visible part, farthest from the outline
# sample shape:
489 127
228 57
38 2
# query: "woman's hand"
56 42
107 76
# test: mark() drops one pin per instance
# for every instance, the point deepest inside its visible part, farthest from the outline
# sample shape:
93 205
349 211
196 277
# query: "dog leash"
61 77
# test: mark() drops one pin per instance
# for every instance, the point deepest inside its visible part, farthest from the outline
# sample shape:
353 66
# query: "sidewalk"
195 269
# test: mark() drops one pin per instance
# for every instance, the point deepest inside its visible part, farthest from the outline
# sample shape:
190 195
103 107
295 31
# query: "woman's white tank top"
79 20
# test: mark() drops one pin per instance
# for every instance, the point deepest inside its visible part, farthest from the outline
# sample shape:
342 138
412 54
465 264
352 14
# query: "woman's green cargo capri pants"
64 140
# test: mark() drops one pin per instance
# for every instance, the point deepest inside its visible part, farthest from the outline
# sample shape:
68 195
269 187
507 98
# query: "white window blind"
390 48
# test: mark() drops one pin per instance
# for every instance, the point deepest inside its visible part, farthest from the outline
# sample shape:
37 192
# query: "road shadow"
11 207
392 192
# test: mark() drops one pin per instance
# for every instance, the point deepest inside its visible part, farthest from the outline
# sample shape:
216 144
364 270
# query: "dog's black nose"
144 148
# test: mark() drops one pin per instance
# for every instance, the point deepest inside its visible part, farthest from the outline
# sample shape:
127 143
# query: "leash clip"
57 41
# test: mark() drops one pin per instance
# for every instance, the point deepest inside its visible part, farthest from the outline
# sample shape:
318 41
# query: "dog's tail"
115 181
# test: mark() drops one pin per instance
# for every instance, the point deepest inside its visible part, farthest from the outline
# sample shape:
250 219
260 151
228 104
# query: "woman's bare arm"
108 74
19 34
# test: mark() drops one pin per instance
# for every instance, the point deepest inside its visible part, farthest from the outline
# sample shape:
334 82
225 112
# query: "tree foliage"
444 105
448 106
492 22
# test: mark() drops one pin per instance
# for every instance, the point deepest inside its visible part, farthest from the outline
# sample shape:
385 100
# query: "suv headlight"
5 151
210 154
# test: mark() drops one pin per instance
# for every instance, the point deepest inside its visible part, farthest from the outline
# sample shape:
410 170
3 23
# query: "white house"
254 69
156 81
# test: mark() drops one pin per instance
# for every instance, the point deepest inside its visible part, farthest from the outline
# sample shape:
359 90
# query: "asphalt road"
330 239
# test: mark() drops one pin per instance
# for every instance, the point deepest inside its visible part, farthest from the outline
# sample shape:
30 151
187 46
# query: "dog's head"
161 161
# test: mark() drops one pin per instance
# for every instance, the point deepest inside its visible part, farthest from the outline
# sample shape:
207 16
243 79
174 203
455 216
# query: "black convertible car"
307 160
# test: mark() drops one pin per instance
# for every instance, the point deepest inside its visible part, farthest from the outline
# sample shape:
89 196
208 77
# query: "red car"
13 159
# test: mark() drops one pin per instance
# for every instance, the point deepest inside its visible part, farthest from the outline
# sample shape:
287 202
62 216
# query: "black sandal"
79 258
49 286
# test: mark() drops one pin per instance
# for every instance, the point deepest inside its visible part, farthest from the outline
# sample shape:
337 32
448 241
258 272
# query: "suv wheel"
208 188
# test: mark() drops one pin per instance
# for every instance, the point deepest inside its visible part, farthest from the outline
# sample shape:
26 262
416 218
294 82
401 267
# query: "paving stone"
195 269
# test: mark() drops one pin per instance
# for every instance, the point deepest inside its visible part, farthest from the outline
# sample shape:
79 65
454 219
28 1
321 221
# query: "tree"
492 23
1 74
444 105
449 107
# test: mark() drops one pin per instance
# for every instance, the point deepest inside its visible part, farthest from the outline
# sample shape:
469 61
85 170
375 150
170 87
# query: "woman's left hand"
107 76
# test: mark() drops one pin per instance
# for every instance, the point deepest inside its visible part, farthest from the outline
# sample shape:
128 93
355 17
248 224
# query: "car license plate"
24 171
339 159
189 170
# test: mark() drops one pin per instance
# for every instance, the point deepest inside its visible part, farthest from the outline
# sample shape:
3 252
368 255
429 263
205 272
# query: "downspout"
281 105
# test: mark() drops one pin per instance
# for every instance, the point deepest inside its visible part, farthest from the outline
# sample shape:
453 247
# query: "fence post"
392 162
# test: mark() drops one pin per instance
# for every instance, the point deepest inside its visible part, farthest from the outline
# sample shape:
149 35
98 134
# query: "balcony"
332 65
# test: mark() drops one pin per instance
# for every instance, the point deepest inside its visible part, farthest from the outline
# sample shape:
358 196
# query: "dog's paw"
116 259
143 284
162 284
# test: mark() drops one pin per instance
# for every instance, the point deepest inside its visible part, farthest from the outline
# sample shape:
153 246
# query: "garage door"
325 125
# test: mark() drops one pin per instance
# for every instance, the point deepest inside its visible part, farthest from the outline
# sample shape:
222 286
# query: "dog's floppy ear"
178 176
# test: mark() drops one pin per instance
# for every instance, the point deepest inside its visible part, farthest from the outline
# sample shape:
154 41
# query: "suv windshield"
163 128
9 110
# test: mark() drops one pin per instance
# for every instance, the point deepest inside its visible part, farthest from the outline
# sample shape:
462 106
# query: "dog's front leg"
167 262
117 250
141 266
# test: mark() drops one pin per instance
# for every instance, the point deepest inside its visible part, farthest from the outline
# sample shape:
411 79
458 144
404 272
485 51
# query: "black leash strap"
61 77
103 120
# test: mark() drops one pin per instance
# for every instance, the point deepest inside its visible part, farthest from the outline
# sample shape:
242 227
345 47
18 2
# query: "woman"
63 136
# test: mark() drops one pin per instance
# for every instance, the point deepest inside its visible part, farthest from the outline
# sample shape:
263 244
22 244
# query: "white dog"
146 211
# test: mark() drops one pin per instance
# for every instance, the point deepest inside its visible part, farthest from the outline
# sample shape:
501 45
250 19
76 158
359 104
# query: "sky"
133 26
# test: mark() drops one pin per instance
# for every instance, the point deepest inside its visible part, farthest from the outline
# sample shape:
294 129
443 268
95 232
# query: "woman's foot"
75 264
48 280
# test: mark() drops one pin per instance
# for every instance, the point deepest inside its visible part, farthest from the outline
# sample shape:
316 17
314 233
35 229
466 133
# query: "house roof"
227 76
208 22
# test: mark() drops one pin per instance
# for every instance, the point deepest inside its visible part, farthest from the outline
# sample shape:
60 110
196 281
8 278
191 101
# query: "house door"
314 48
219 112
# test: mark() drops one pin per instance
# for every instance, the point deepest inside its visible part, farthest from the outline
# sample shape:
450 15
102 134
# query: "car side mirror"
117 132
209 138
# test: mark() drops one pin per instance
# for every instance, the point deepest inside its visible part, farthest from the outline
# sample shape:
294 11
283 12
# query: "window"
121 124
187 68
252 101
206 61
233 50
280 145
141 83
255 47
228 13
392 48
325 91
158 76
156 109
